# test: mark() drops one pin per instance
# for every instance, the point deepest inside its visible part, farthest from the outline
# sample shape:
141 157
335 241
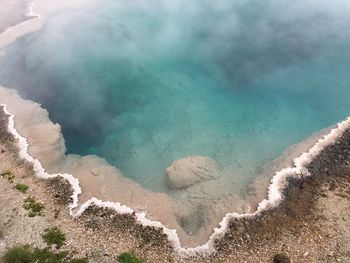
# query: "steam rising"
143 83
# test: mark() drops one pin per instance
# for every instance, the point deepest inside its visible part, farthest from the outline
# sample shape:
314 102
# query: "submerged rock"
190 170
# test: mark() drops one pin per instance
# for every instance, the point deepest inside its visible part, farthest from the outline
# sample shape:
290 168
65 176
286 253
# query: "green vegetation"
128 257
18 254
33 206
7 175
22 187
45 255
281 258
28 254
54 236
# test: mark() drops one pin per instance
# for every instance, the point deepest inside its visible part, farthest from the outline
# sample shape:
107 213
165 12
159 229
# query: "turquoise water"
143 83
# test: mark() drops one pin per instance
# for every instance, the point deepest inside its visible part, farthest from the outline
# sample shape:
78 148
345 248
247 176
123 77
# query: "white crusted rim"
274 197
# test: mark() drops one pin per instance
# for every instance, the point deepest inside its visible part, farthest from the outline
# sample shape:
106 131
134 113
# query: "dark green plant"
47 256
35 208
54 236
22 187
281 258
28 254
128 257
18 254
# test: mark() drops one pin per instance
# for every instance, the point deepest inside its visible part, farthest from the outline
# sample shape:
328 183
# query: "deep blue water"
143 83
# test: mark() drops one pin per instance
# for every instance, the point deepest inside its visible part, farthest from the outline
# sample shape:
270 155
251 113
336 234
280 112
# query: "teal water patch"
144 83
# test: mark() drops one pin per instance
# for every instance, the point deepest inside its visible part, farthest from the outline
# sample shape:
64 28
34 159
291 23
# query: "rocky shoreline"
255 239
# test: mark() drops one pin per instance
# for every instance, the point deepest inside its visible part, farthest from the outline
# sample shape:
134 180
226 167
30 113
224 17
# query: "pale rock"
190 170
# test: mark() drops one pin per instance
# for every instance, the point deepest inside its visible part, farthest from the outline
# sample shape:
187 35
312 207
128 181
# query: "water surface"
144 83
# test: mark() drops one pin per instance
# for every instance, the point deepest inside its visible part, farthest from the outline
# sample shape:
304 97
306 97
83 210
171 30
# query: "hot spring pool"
145 83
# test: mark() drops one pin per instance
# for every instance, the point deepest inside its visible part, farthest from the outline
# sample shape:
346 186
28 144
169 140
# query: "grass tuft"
28 254
18 254
35 208
128 257
22 187
45 255
54 236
